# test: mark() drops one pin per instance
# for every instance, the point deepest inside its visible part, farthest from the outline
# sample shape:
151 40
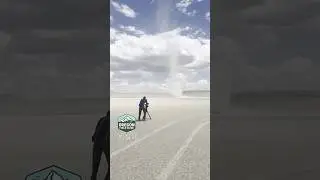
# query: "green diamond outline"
127 118
44 172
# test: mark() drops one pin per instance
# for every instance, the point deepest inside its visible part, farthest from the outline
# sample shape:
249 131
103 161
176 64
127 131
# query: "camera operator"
143 106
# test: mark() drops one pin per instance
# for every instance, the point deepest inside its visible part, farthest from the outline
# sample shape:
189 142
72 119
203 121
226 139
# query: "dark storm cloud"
268 34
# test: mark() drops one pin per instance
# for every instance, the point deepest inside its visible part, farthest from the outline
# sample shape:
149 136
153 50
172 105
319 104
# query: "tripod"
147 105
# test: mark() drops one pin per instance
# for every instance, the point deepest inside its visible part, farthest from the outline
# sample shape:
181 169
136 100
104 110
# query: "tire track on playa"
118 151
145 152
165 173
160 117
146 159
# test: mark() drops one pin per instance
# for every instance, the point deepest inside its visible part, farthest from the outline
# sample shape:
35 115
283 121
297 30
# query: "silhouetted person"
143 107
101 142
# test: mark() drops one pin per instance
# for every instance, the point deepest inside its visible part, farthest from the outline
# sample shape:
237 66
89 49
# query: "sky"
159 45
58 48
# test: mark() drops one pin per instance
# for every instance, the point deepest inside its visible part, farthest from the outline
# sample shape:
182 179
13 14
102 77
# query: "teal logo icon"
126 122
53 173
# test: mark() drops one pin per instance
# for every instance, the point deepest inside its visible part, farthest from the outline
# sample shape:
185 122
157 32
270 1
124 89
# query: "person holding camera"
143 105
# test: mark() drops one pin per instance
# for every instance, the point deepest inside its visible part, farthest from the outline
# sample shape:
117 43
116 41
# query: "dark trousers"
144 112
96 158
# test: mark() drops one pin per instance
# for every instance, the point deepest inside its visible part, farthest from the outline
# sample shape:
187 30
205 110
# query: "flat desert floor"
267 139
174 144
247 143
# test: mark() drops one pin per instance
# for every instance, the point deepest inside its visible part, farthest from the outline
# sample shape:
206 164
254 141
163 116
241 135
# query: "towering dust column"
163 20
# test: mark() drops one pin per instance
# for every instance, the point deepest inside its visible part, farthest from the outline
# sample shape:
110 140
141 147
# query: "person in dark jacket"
143 107
101 142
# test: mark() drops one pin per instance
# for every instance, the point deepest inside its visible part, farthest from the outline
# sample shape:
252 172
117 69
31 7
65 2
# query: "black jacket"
143 102
101 134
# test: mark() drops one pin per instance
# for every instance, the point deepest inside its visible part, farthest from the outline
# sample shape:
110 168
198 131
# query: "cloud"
124 9
146 59
207 16
47 52
192 13
131 29
111 19
183 5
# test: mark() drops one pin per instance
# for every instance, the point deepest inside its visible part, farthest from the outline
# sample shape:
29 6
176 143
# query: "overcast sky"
53 47
271 44
59 47
154 43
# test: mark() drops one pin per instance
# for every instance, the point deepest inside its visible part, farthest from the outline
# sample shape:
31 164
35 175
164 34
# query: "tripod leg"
149 114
